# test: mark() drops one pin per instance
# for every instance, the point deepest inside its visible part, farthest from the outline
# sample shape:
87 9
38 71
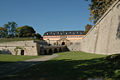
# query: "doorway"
22 52
63 43
50 51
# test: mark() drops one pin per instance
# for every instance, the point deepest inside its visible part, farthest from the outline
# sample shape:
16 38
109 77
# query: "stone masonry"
20 48
104 37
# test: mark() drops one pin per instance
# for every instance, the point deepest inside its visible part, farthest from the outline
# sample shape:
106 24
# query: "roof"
53 33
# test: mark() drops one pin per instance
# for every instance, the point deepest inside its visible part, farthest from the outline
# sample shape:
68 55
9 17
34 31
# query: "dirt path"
12 68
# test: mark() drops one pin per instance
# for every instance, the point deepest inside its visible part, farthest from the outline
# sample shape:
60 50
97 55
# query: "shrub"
115 58
117 74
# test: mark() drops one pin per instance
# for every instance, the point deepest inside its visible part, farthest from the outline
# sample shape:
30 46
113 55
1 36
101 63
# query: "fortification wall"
29 47
74 46
104 37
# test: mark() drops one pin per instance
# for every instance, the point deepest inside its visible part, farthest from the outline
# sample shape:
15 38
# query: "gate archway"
55 50
50 51
45 52
63 43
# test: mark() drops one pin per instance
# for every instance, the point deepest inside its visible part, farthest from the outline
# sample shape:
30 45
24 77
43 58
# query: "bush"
117 74
113 58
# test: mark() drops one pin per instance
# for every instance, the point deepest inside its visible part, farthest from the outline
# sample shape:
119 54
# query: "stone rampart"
104 37
19 48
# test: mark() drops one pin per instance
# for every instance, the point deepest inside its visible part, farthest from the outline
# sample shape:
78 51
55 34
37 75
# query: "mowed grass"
69 66
15 39
6 58
77 55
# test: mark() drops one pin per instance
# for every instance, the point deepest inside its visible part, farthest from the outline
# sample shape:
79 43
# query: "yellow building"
63 37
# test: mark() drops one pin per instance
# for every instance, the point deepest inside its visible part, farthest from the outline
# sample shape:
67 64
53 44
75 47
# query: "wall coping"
104 15
17 41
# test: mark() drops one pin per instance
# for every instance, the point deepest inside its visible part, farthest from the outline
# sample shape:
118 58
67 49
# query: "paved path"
45 58
12 68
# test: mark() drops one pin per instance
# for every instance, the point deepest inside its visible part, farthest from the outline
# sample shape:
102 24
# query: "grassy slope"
76 55
69 66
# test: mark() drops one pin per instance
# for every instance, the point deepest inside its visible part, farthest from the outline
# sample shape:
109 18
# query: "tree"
2 34
6 29
13 27
87 28
10 29
38 36
18 31
25 31
98 8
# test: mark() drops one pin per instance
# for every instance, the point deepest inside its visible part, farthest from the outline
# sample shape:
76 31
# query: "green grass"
76 55
5 58
15 39
70 66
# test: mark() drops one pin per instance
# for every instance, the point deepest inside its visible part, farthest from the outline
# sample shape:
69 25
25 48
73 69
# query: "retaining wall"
104 37
29 47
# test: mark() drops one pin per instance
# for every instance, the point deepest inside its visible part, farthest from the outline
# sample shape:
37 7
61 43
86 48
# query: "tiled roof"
52 33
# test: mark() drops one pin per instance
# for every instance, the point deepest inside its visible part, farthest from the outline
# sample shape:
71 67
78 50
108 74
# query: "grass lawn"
5 58
70 66
76 55
15 39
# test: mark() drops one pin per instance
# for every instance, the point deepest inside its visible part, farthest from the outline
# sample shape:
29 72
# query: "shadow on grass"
3 62
67 69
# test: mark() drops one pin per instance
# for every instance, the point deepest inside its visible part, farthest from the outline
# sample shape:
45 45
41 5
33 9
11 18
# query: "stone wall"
15 47
104 37
31 48
75 46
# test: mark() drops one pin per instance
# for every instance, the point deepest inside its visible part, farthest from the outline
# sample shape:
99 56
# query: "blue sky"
46 15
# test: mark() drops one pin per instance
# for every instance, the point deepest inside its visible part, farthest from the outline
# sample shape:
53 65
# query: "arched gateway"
63 43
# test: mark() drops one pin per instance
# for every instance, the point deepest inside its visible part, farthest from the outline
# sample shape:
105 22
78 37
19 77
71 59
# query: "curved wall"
104 37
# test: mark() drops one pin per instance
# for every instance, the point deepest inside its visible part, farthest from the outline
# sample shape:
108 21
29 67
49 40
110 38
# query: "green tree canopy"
10 29
98 8
25 31
18 31
87 28
38 36
2 32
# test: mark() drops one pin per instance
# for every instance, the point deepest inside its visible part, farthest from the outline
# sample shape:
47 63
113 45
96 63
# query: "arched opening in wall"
63 43
66 49
55 50
50 51
60 50
22 52
45 52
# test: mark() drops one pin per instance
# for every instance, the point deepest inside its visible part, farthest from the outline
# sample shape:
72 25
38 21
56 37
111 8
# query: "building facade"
63 37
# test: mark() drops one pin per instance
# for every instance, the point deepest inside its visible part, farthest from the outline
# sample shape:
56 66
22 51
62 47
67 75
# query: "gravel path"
12 68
